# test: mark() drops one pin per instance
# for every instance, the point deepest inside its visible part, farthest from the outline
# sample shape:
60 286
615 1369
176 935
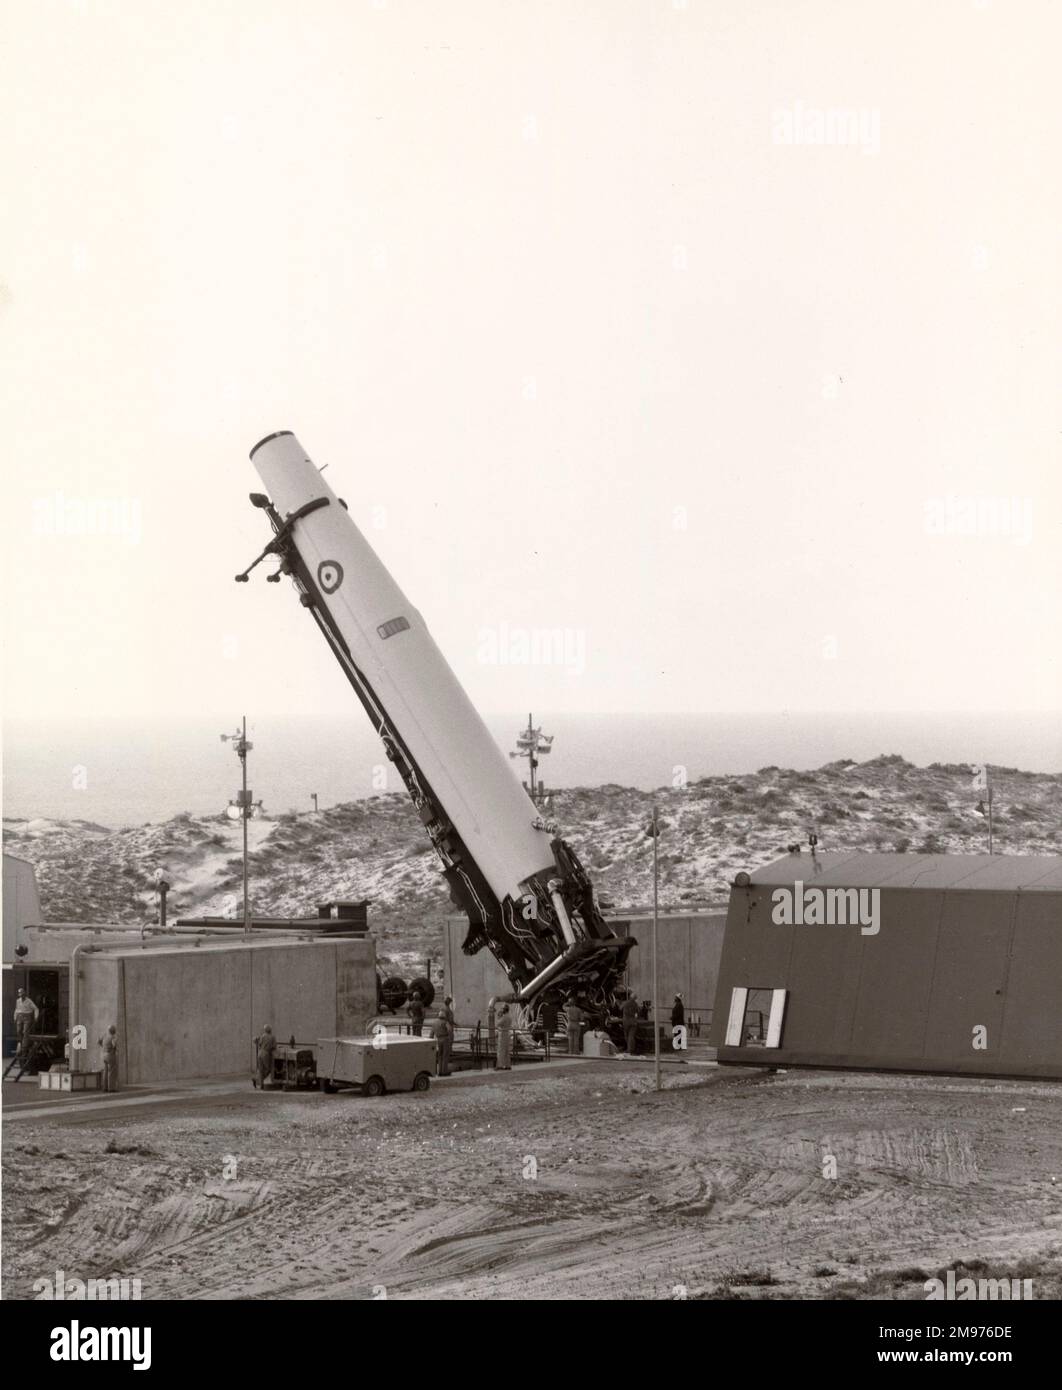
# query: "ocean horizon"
121 772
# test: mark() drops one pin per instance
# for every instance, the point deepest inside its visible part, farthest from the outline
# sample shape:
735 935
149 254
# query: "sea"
124 772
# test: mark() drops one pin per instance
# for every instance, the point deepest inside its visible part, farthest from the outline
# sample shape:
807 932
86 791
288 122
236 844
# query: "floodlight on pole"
654 833
532 743
245 805
983 782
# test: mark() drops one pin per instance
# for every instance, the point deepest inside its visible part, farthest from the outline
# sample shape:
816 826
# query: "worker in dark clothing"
629 1015
575 1028
548 1020
505 1038
266 1045
416 1014
678 1012
109 1044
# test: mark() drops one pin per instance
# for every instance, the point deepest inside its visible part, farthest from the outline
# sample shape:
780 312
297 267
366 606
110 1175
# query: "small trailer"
293 1067
384 1062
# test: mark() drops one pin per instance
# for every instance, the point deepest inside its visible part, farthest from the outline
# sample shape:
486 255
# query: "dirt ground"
576 1183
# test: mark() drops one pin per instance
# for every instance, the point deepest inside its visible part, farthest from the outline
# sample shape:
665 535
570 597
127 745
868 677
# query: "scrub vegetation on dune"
377 848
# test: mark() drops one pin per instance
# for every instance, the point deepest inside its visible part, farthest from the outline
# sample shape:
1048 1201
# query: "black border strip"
277 435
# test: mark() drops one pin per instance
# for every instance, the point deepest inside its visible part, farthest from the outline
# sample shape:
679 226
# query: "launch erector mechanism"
527 897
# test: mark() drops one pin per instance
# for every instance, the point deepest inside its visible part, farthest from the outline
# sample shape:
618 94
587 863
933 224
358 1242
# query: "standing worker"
492 1029
442 1043
548 1019
266 1045
678 1012
505 1039
629 1015
26 1014
448 1014
109 1043
416 1014
575 1028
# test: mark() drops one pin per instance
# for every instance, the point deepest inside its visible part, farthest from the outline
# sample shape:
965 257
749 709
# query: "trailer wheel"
394 992
374 1086
421 1081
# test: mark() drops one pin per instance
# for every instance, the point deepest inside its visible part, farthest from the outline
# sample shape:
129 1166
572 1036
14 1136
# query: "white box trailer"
384 1062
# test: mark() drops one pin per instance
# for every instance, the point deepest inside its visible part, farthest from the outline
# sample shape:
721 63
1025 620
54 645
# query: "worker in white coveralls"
109 1044
26 1014
504 1022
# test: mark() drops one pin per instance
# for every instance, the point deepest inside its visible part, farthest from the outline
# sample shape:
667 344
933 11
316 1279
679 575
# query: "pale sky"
591 332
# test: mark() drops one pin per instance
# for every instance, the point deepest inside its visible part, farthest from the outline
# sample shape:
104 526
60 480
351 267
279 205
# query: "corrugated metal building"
961 972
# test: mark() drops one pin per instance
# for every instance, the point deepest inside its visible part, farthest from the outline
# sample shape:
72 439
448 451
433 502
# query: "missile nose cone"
275 435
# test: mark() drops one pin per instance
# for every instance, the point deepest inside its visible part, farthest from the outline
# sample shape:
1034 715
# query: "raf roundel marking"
330 575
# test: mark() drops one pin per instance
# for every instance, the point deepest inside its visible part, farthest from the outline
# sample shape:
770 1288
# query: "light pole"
983 781
531 742
239 739
314 797
654 831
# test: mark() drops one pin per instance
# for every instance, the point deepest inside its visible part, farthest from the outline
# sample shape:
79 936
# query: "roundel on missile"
330 575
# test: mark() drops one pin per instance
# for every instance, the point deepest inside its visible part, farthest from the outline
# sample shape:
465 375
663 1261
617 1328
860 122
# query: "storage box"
70 1080
597 1044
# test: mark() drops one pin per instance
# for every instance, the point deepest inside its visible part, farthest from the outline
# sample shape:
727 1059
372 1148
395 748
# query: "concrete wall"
194 1012
472 980
22 902
945 961
55 941
689 948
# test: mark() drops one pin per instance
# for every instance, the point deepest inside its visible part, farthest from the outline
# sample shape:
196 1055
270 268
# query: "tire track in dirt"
636 1192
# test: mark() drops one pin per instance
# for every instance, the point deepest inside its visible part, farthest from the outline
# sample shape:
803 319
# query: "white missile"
526 894
411 678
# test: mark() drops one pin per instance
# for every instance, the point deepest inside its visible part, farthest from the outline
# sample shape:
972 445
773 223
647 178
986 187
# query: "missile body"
525 893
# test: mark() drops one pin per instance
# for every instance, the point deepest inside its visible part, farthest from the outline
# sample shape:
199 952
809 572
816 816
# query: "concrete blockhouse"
189 1006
